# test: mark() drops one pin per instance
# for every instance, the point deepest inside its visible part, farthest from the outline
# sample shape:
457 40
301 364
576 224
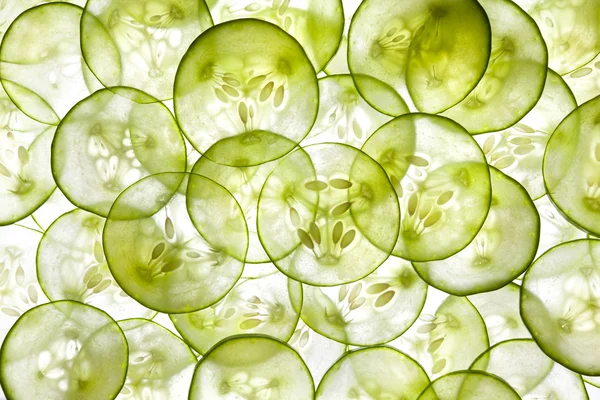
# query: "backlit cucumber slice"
585 81
469 385
373 373
442 182
502 250
252 366
80 354
110 140
339 62
250 83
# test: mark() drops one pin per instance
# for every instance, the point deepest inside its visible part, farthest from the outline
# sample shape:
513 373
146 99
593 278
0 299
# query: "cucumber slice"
530 372
572 167
154 251
71 266
339 62
141 43
325 222
585 81
442 182
469 385
515 76
373 372
80 354
251 366
316 25
110 140
374 310
262 305
558 304
56 205
518 151
236 84
160 364
41 61
424 48
502 250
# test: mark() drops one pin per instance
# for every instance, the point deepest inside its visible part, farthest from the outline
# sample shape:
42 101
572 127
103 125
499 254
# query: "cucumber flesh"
585 81
469 385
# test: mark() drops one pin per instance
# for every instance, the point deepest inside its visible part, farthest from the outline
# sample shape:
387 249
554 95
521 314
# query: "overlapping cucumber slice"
469 385
585 81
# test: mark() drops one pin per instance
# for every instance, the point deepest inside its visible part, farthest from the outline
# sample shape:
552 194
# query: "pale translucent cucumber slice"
503 249
160 364
530 372
441 179
469 385
339 62
559 300
249 83
572 167
515 75
110 140
518 151
252 366
422 47
262 305
373 310
328 215
154 251
373 373
381 96
40 61
71 266
81 353
585 81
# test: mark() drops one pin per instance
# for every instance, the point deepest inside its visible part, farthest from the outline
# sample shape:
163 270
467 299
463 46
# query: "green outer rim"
334 49
249 336
6 340
597 385
471 372
13 221
370 103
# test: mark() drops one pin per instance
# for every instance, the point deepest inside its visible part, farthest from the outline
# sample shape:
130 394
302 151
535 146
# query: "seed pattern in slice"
469 385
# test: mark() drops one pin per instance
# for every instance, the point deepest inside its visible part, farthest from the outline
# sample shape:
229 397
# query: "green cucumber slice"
519 150
469 385
160 363
262 306
339 62
249 83
157 255
373 310
80 354
572 167
110 140
71 266
441 179
373 372
424 48
558 304
530 372
503 249
585 81
327 215
251 366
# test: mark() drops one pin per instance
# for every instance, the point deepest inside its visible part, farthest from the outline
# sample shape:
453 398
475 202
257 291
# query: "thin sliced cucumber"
503 249
380 95
469 385
80 354
110 140
250 83
585 81
373 372
558 304
339 62
441 179
252 366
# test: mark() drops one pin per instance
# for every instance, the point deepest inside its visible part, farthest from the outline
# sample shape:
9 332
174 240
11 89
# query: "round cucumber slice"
572 167
248 84
251 366
41 61
585 81
328 215
373 372
159 362
141 43
155 252
110 140
518 151
80 354
441 179
503 249
316 25
262 305
373 310
469 385
71 266
424 48
530 372
558 304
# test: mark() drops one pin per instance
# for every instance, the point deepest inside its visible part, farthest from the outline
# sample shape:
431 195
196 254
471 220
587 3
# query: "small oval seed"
243 112
256 80
294 217
445 197
348 238
580 73
20 276
158 250
316 186
520 141
488 145
193 254
524 128
341 208
355 292
433 346
413 201
278 98
433 218
98 253
10 312
418 161
522 150
438 366
266 91
377 288
229 313
426 328
23 155
102 286
230 90
504 162
338 229
357 303
315 232
385 298
4 171
340 184
342 293
172 266
250 324
94 281
169 228
231 81
221 96
358 132
305 239
303 339
33 294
